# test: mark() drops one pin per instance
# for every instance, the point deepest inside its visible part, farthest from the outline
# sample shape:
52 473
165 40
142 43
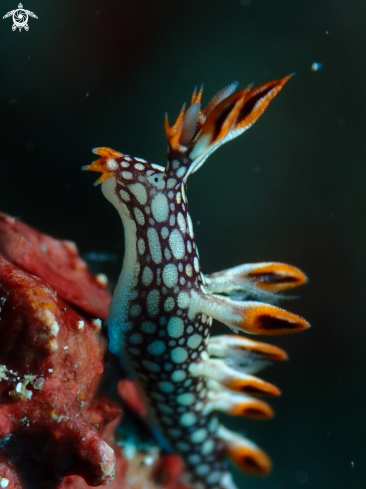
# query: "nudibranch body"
162 309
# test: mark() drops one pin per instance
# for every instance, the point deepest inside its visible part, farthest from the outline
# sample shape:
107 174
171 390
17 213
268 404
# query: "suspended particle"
316 66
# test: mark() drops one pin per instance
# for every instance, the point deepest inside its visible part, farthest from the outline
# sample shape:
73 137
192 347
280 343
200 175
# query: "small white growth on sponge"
4 482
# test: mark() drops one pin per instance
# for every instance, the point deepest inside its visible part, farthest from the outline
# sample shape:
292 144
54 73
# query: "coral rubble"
56 427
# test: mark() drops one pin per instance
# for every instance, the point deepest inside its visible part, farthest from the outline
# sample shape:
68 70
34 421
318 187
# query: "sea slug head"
137 188
142 190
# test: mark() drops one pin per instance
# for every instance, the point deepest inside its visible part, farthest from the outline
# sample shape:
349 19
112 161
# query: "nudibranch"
163 305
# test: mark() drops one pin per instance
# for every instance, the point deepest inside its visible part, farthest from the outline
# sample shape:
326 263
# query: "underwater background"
292 189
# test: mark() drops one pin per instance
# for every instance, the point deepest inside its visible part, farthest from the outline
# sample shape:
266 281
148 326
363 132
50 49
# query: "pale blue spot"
135 310
159 207
174 433
156 348
152 366
166 387
207 447
179 355
176 243
170 275
154 245
169 304
202 469
183 446
152 302
136 338
199 435
147 276
183 300
164 408
214 477
175 327
194 341
178 376
186 399
148 327
194 458
188 419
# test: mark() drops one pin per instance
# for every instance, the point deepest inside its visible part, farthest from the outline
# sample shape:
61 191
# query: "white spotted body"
151 319
162 307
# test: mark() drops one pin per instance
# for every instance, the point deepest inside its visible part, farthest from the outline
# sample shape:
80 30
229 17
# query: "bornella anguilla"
162 309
